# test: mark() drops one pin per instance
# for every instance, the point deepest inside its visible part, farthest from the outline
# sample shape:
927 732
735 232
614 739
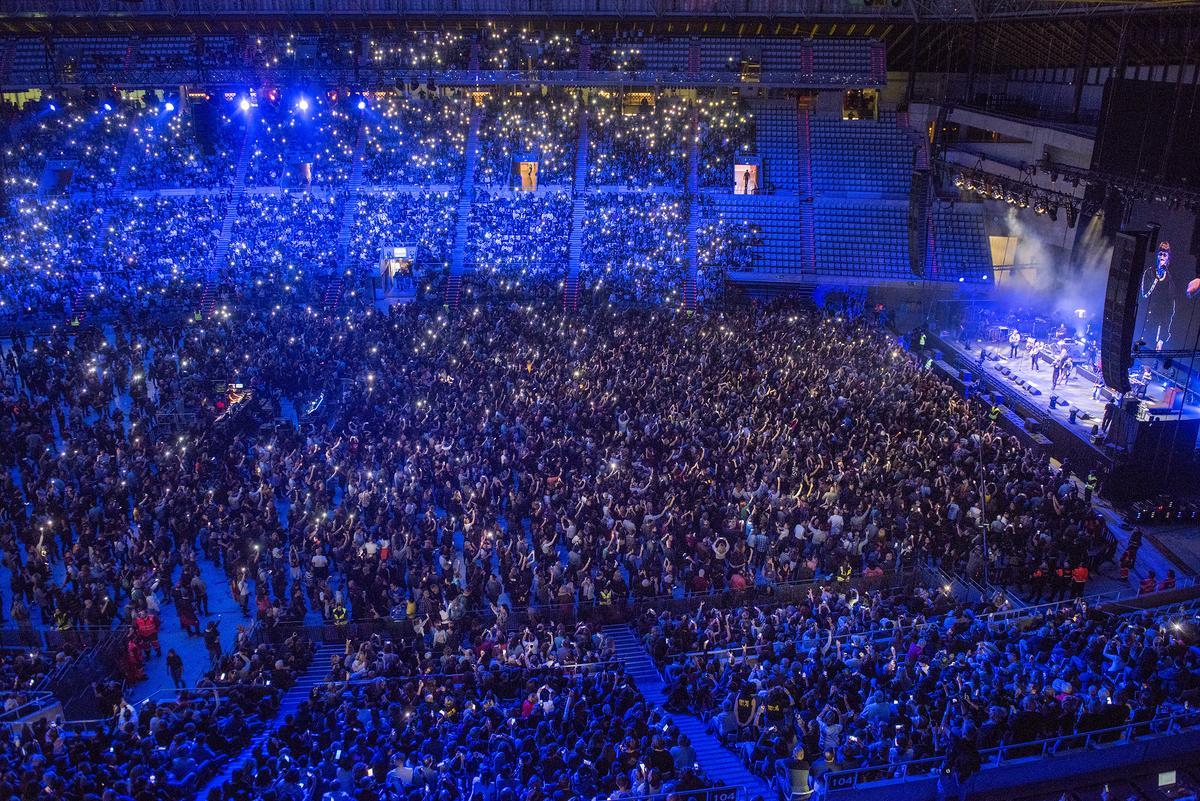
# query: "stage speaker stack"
1120 305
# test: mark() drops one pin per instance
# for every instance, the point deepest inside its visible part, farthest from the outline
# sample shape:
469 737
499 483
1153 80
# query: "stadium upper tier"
489 56
836 9
158 200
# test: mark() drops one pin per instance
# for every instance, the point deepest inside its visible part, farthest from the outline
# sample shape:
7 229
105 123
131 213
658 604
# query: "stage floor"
1077 392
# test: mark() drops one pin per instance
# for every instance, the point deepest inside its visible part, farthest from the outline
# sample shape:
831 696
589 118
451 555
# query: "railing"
594 613
647 8
1004 754
34 702
369 77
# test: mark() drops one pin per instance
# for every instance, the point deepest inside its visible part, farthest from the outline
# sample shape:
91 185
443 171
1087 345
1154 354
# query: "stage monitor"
1120 307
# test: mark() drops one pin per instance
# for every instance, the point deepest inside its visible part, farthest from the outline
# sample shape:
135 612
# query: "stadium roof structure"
927 35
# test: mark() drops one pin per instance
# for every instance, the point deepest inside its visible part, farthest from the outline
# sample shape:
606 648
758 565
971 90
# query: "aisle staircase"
585 57
718 763
131 144
466 198
318 669
804 169
691 280
878 63
221 251
578 213
693 57
6 58
80 304
337 284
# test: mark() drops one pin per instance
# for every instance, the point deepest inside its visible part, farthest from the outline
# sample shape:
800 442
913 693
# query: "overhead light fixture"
169 107
303 104
244 105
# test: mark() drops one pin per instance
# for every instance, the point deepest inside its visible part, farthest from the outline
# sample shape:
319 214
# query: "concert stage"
1027 392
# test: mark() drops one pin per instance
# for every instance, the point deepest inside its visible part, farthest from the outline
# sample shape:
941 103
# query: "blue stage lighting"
108 106
244 105
362 104
53 107
169 106
303 104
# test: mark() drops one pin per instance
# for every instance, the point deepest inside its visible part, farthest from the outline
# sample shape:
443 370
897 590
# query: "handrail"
994 757
39 698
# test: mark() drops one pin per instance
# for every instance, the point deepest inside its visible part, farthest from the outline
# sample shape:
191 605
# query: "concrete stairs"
6 58
878 63
318 669
693 57
337 284
578 213
80 304
466 199
718 763
127 153
131 53
585 57
804 171
221 251
691 280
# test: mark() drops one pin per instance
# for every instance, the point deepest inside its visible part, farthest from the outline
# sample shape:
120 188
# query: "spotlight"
1039 207
1023 202
244 105
169 106
53 107
108 106
1072 216
958 182
303 104
362 104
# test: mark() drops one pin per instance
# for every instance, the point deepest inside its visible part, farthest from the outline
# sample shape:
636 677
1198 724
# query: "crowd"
839 681
421 50
723 245
504 48
303 140
727 129
635 248
501 734
392 219
284 246
540 123
159 750
416 140
84 136
171 152
624 489
476 477
637 139
516 237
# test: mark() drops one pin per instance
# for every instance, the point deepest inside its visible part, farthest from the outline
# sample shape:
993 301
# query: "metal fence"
1128 733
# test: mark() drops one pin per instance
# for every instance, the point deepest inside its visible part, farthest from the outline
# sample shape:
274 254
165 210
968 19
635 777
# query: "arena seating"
778 243
778 144
960 244
860 158
862 238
